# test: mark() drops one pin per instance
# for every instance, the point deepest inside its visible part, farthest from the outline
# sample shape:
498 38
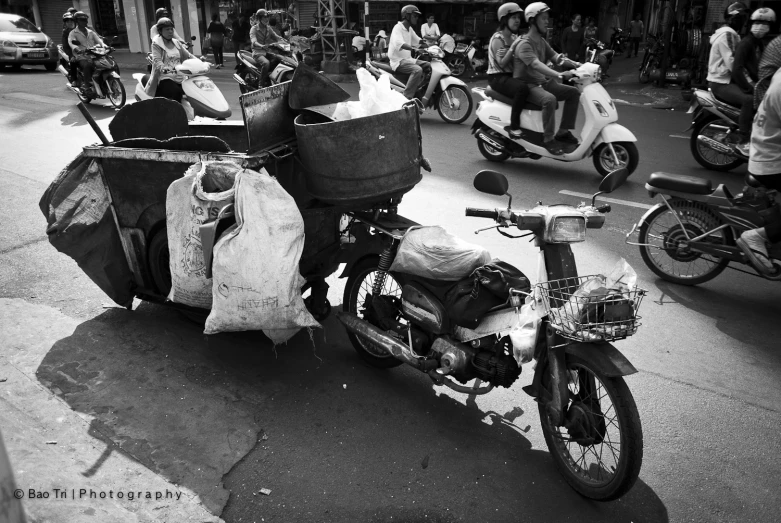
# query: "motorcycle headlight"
566 229
205 84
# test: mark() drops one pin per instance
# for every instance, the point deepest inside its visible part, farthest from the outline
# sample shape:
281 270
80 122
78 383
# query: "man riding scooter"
403 41
80 39
261 35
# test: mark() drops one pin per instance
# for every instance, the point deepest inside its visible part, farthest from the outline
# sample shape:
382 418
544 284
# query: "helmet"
735 8
508 9
163 23
72 10
161 13
80 14
763 14
261 13
534 9
67 17
409 9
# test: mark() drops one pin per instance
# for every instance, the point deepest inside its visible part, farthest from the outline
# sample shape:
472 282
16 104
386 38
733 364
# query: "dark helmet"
80 14
67 17
163 23
161 13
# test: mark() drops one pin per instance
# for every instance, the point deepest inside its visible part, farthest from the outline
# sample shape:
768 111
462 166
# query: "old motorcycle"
588 415
247 73
689 237
105 80
713 123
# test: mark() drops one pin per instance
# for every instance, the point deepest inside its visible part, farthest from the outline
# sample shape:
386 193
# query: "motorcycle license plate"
36 55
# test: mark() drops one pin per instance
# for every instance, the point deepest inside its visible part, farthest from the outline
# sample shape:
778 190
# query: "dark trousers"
634 43
734 95
87 68
217 50
545 96
514 88
267 64
771 181
169 89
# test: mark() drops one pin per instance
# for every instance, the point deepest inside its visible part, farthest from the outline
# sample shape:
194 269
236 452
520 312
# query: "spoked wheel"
716 129
455 104
601 451
627 156
356 293
645 69
116 92
664 243
457 66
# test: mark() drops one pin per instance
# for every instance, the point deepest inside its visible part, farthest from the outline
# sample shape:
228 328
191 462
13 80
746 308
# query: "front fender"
115 74
614 132
447 81
605 358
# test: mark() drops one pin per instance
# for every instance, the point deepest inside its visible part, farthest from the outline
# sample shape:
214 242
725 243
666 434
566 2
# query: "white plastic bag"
190 201
524 335
432 252
375 96
257 285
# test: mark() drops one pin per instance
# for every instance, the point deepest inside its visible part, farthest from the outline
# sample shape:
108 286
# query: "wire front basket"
584 309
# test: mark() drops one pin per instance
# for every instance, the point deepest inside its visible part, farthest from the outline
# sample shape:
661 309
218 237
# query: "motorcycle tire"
459 114
645 69
661 234
628 156
618 445
359 284
457 65
706 156
491 154
116 92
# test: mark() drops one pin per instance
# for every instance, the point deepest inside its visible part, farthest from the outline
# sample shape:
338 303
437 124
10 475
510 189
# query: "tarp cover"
81 225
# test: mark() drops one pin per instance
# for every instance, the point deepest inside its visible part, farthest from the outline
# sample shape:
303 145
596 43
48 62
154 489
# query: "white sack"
257 285
432 252
205 189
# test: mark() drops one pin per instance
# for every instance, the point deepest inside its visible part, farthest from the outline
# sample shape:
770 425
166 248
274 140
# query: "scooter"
247 73
713 122
394 317
597 53
450 95
105 78
611 145
202 96
689 238
460 60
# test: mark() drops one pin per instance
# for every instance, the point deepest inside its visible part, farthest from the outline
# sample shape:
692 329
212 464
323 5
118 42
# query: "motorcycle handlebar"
482 213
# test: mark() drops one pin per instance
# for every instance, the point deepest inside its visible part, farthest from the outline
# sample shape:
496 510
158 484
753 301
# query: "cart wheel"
159 259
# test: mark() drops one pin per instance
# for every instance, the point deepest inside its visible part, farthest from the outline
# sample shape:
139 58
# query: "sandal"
554 148
754 257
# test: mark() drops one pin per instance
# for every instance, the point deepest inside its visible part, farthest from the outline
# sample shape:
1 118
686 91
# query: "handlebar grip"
603 208
482 213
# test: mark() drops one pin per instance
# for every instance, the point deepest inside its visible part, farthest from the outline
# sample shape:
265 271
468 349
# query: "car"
22 43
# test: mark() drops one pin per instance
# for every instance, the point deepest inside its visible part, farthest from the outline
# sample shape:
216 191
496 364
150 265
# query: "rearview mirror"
491 182
614 180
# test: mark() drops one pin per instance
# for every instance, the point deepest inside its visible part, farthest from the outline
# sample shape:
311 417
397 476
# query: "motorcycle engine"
496 366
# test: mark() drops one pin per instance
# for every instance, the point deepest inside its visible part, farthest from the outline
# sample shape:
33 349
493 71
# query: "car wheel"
51 67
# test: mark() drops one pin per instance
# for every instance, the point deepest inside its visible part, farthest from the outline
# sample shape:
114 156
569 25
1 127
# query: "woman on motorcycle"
501 49
167 53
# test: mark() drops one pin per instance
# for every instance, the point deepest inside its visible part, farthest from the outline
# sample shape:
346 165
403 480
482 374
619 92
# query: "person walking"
216 35
636 30
240 35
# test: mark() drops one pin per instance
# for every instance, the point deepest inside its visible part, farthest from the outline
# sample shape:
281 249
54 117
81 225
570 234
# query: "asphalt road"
337 441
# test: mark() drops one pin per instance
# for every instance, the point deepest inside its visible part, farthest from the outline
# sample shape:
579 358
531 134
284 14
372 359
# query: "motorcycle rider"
501 49
721 81
69 25
81 38
261 35
531 55
167 53
403 41
153 32
746 66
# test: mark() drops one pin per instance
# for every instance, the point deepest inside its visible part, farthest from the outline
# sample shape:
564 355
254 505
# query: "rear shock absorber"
386 259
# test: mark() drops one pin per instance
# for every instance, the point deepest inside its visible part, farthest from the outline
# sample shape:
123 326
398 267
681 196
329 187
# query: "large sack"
80 224
432 252
197 197
257 284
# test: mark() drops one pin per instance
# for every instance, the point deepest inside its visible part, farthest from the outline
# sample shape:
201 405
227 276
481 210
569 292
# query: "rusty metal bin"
362 162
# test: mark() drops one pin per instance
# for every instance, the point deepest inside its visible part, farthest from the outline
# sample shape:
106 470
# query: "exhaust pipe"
716 146
62 71
239 79
395 348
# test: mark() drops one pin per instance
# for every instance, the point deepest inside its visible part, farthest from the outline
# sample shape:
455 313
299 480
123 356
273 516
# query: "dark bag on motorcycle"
467 302
499 277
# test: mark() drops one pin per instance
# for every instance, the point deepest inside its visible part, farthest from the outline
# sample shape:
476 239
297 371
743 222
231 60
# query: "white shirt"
765 151
432 32
401 35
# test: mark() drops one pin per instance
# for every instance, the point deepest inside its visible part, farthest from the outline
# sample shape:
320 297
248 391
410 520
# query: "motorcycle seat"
509 101
679 183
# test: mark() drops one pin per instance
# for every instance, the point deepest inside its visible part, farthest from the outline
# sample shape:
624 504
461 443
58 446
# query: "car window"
20 25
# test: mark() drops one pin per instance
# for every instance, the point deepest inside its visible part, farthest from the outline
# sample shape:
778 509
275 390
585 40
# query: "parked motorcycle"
713 121
612 145
450 95
618 40
651 58
598 53
588 416
201 96
460 60
689 238
247 73
105 78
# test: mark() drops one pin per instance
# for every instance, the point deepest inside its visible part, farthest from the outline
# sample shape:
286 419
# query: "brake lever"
504 225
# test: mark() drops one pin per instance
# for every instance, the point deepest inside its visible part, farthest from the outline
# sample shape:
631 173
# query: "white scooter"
202 96
449 94
612 145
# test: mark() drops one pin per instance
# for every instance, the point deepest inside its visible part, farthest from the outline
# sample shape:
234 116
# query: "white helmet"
534 9
508 9
763 14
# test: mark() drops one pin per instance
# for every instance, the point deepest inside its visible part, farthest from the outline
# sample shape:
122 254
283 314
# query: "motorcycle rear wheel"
607 468
661 236
116 92
491 154
358 287
712 127
457 66
460 96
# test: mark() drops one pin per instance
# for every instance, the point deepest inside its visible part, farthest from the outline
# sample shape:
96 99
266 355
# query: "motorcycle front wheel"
455 104
664 243
600 455
626 152
715 128
116 92
356 291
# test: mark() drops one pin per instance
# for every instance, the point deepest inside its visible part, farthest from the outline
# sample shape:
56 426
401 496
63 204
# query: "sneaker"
515 134
742 149
567 137
755 248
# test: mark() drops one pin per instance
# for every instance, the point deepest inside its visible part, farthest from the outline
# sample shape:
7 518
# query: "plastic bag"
375 96
524 335
256 281
190 201
432 252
